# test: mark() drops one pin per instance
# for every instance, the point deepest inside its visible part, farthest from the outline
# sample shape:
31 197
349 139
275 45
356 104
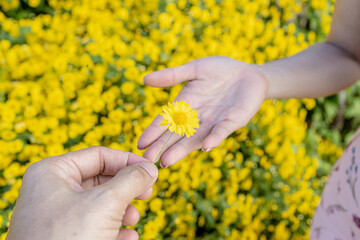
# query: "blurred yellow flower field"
71 77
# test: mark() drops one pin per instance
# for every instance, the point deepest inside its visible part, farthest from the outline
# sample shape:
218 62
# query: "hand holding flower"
82 195
226 94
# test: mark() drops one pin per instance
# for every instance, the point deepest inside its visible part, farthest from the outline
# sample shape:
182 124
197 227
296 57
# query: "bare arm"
324 68
228 93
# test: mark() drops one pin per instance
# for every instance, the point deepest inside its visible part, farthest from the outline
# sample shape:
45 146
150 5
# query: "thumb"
171 76
130 182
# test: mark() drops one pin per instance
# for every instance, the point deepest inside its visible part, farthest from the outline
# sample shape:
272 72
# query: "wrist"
264 72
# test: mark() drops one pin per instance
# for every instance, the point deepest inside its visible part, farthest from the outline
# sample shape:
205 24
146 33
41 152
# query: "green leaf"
331 110
354 109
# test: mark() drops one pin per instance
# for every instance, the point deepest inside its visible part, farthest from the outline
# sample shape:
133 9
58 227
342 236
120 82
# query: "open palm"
225 92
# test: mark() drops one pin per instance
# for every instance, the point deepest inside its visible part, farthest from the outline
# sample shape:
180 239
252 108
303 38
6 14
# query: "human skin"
228 93
82 195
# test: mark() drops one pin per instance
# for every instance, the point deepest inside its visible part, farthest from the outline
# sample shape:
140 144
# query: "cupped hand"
82 195
225 92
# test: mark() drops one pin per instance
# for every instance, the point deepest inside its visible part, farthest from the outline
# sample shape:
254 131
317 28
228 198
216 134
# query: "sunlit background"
71 77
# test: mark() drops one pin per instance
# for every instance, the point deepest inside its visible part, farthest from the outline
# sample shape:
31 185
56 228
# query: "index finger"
93 161
152 133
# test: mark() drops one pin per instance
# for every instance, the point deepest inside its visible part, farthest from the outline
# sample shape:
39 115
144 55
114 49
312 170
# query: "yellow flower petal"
180 118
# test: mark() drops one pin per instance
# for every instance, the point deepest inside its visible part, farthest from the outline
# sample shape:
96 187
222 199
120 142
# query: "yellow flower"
180 118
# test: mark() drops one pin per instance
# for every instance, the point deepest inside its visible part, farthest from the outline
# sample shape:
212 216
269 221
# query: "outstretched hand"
225 92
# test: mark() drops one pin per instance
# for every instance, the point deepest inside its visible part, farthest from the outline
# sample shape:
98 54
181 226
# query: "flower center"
179 118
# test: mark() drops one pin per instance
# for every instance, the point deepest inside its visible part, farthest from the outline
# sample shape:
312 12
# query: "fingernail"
149 167
206 150
161 165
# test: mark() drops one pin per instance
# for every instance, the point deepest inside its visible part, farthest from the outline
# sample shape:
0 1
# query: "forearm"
320 70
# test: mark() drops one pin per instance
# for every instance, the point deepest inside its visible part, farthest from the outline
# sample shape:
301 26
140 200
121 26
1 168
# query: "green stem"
164 147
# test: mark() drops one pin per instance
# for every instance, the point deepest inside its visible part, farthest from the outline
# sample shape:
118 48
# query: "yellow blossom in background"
34 3
180 118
